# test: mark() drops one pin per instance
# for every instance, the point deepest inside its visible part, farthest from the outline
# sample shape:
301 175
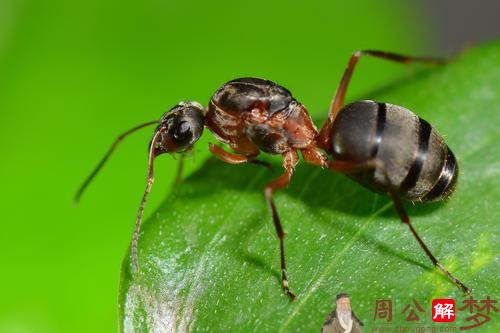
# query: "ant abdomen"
415 157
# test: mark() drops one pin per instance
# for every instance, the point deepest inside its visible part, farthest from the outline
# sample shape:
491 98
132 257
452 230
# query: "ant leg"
403 215
263 163
314 156
180 168
290 160
235 158
346 167
324 137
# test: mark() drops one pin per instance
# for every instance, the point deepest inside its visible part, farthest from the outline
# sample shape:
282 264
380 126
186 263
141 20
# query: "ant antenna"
105 158
137 228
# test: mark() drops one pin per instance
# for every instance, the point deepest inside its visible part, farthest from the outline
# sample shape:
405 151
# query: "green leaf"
210 255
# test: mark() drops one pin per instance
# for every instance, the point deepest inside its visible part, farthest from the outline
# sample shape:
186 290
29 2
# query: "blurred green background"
75 74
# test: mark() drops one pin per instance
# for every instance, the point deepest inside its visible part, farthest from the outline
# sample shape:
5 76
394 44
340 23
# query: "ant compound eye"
182 131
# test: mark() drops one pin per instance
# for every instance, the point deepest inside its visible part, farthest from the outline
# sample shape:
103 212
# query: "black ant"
384 147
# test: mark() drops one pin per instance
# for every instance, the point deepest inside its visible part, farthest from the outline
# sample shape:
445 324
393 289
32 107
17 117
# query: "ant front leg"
290 160
346 167
324 137
235 158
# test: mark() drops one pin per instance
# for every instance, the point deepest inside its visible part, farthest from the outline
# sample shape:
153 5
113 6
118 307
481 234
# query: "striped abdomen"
418 162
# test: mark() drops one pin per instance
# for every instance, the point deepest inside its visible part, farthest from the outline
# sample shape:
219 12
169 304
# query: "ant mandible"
384 147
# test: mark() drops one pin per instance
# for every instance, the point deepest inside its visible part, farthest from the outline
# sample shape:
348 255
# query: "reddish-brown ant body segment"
384 147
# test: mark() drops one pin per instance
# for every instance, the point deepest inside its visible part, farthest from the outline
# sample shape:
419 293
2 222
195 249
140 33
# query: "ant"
382 146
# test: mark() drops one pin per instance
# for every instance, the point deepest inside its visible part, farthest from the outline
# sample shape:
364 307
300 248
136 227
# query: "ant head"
179 128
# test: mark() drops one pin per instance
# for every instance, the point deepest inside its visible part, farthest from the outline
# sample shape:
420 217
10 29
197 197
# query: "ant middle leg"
324 137
236 158
346 167
290 160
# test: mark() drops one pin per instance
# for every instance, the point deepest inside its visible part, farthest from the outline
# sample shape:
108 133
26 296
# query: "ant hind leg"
346 167
324 137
